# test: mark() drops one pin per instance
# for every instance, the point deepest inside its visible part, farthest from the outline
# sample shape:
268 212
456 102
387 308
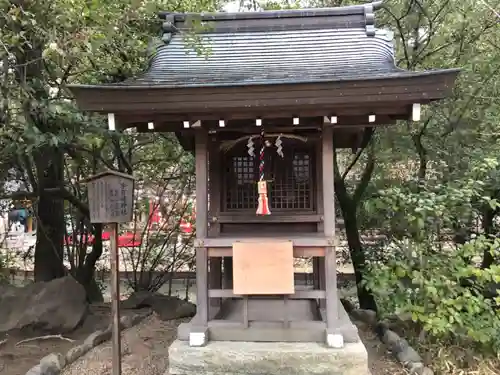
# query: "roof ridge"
173 22
266 14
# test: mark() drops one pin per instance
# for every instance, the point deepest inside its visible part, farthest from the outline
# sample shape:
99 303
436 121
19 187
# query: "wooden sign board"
263 268
111 197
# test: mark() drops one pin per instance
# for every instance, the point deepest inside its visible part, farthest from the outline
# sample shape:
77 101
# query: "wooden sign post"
111 199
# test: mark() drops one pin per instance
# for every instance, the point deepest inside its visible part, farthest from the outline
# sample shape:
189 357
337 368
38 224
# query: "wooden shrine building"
262 111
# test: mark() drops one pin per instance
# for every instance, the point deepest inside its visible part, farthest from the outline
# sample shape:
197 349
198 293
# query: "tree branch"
365 177
367 136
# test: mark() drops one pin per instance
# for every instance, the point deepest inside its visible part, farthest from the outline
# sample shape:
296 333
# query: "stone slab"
259 358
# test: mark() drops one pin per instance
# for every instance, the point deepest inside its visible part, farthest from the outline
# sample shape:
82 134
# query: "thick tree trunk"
50 215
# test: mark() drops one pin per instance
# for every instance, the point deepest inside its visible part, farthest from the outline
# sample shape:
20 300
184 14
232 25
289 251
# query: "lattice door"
291 179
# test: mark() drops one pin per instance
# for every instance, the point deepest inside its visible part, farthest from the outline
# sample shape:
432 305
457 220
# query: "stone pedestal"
261 358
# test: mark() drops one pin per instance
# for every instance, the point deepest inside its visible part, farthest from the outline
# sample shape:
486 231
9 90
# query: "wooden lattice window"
291 179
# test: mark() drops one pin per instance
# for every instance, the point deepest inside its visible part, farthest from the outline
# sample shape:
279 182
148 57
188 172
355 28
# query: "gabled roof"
273 64
274 47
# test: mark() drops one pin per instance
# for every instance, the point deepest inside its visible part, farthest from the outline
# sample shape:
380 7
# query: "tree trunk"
366 298
93 291
489 227
348 208
50 215
85 275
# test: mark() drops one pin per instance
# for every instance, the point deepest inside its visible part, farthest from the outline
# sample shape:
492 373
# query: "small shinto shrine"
263 111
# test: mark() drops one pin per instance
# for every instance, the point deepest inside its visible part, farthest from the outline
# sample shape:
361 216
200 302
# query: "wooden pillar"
319 184
318 264
214 183
214 208
198 334
333 336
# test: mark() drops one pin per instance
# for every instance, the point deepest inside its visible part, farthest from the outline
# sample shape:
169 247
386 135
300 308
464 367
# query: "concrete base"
260 358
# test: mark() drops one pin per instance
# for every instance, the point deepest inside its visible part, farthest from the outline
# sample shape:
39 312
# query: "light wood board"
263 268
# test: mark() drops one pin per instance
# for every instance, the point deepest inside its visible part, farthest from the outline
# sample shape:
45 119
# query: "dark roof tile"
297 46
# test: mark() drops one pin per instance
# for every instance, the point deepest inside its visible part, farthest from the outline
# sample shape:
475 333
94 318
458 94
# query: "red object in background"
186 227
129 239
88 239
154 213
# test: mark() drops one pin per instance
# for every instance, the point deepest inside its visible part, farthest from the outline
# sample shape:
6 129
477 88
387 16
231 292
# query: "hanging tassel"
263 207
263 202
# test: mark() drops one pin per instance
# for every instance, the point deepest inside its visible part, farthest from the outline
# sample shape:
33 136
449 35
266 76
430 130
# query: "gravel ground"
379 359
144 348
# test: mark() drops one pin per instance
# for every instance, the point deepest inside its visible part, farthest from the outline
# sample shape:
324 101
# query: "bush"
423 273
441 291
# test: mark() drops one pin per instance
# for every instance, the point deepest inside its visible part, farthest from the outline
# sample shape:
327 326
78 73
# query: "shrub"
423 273
441 291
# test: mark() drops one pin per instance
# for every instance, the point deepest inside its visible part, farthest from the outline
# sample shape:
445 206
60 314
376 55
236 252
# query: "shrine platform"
297 328
271 319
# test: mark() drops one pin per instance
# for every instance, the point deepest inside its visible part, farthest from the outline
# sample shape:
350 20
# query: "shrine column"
318 262
214 208
333 336
198 334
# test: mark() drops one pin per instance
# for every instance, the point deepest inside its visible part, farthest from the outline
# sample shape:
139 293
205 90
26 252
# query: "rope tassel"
263 202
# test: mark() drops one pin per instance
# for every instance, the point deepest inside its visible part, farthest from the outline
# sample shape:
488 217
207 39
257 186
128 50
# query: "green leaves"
422 272
48 45
434 298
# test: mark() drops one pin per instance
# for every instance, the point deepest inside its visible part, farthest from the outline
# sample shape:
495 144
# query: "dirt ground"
17 359
144 346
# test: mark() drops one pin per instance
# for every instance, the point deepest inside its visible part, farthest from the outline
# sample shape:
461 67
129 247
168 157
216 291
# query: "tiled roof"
275 47
277 57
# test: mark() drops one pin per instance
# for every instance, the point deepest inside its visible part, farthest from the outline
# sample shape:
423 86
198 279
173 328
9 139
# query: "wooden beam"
298 252
299 240
299 294
242 114
306 331
274 125
238 218
260 99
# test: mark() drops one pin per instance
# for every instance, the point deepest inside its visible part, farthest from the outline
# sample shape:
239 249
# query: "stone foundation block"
260 358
